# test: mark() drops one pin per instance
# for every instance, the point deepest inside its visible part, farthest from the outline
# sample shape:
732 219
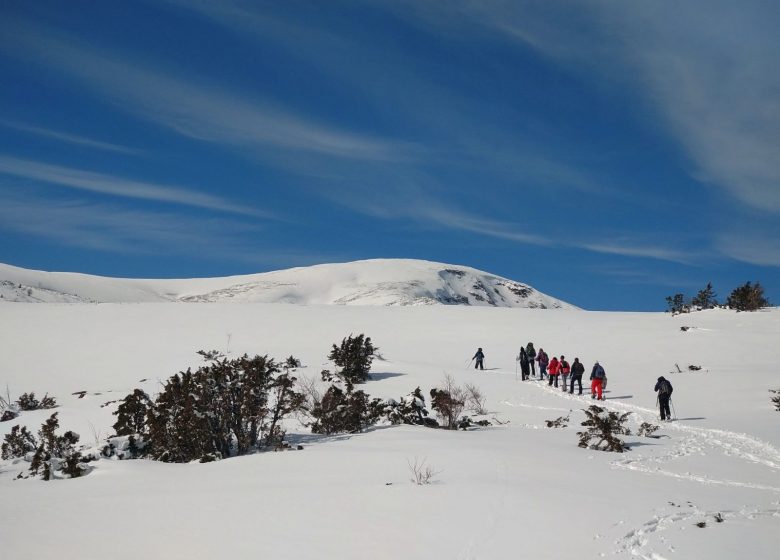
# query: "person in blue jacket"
480 357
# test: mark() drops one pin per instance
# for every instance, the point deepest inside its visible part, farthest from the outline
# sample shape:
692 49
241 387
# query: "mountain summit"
369 282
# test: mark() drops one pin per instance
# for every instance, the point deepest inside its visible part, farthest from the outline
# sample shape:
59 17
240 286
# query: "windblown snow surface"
370 282
514 490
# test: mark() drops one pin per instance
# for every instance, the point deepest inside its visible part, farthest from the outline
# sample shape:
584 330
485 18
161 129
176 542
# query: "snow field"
513 490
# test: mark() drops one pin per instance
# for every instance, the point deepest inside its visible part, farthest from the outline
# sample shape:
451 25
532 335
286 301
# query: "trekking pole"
469 364
674 412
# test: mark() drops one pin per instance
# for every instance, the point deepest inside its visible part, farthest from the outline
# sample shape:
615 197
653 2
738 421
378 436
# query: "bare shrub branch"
475 399
421 473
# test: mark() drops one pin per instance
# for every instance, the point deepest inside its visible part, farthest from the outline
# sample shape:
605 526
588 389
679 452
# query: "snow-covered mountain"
370 282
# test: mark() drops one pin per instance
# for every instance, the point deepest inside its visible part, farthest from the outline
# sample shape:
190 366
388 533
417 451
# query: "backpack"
665 388
599 373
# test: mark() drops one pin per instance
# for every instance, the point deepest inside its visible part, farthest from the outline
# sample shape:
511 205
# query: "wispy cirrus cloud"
73 222
196 110
70 138
117 186
707 69
630 249
751 248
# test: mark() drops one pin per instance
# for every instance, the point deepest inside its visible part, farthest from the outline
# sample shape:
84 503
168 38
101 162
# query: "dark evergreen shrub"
27 401
131 414
560 422
8 415
410 410
605 427
676 304
776 398
706 298
345 412
18 443
56 453
747 298
353 357
225 408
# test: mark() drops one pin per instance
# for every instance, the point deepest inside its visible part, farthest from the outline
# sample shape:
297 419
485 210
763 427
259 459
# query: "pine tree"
354 357
604 426
747 298
18 443
677 304
706 298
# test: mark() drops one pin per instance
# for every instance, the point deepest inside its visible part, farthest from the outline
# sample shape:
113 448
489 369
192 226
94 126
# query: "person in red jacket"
553 370
597 377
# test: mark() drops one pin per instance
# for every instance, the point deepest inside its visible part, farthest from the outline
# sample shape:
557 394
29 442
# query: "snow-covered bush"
350 412
410 410
131 414
27 401
449 402
646 429
776 398
18 443
605 427
56 453
353 356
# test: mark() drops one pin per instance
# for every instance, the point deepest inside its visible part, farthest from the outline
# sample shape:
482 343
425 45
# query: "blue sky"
608 153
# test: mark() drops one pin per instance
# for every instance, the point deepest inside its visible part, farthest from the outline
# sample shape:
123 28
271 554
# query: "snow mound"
390 282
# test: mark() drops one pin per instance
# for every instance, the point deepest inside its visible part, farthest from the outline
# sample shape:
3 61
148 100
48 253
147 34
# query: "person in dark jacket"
577 369
597 376
543 360
664 390
565 370
524 363
531 351
480 357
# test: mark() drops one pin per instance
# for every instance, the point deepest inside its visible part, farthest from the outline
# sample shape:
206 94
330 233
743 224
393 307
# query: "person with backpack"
564 369
543 360
577 369
597 376
524 366
529 349
664 390
553 371
480 357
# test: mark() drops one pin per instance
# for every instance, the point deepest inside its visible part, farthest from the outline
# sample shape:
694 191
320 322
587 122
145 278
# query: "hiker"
597 377
480 357
553 370
565 369
664 390
543 360
524 366
529 349
577 369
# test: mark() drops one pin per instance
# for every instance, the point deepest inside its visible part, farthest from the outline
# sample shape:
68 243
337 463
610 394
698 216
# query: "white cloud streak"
708 69
116 186
110 228
194 110
70 138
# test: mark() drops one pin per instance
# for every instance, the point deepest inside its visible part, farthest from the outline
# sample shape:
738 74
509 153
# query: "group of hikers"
555 368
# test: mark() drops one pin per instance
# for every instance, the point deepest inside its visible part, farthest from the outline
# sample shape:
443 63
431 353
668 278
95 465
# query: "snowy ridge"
390 282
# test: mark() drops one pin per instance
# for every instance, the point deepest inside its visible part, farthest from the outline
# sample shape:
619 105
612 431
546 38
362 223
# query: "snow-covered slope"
371 282
514 490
